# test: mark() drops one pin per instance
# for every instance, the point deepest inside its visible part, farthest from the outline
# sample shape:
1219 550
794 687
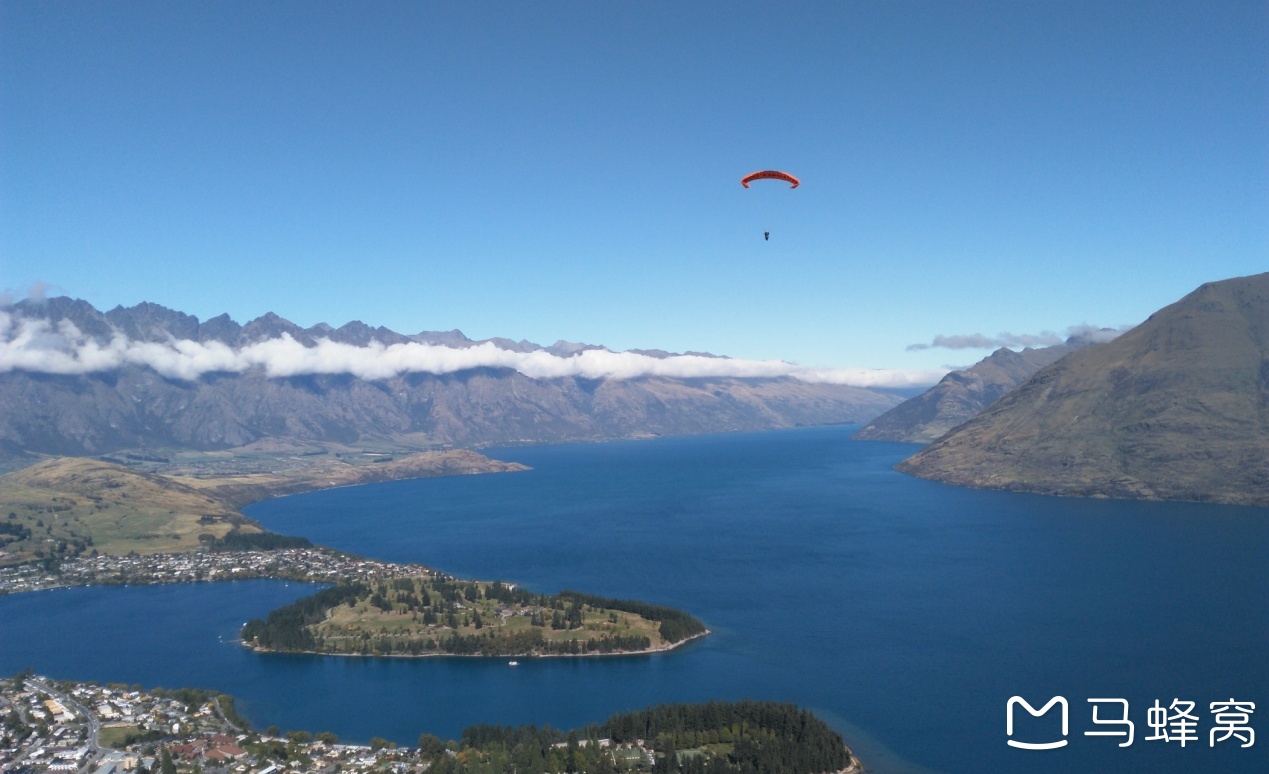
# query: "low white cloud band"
36 346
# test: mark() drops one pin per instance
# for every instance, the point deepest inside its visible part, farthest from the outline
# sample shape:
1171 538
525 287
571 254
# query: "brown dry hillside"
1176 409
69 506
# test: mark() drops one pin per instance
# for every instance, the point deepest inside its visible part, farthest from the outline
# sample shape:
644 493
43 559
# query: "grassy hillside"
66 506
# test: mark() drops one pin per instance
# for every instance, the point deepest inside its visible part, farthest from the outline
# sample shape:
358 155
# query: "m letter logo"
1018 700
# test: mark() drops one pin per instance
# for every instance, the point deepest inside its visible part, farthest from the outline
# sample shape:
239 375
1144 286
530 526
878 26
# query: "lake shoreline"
645 652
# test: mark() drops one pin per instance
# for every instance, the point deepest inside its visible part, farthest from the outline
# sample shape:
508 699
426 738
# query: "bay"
904 612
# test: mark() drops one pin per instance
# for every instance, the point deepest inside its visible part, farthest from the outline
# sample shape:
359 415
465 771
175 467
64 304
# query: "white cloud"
1043 339
38 291
34 345
1096 335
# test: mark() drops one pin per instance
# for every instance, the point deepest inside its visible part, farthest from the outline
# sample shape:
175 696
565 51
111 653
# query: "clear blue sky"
571 170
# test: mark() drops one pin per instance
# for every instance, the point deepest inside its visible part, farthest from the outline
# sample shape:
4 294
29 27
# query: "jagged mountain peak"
147 321
151 322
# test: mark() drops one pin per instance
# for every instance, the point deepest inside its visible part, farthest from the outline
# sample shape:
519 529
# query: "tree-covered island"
425 614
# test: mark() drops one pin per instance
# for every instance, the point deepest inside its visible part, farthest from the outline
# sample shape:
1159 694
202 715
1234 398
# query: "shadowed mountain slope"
1175 409
960 396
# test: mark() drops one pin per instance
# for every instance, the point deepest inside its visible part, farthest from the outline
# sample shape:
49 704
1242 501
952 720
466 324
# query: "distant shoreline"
67 508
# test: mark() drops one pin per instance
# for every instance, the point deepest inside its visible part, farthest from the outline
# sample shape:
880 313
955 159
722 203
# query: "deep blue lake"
905 613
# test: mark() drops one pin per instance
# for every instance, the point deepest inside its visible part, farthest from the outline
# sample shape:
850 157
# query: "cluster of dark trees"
11 720
744 737
128 459
519 643
676 625
411 595
13 531
287 627
508 595
780 738
259 541
51 552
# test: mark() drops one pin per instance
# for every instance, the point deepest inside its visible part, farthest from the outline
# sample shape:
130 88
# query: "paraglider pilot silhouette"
770 174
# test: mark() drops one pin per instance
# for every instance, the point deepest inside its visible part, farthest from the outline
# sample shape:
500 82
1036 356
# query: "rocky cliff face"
1177 408
960 396
133 406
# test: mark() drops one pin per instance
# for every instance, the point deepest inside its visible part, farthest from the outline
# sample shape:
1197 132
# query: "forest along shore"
55 727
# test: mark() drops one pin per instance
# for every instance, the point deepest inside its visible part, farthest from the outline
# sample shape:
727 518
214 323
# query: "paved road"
94 725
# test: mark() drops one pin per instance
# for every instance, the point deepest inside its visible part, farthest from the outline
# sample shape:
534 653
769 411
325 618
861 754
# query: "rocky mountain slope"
1177 409
134 406
961 395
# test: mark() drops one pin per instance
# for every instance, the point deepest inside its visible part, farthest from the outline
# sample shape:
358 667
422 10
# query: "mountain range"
1176 408
65 407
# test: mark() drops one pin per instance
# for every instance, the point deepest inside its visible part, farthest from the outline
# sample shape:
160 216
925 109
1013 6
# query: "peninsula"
428 614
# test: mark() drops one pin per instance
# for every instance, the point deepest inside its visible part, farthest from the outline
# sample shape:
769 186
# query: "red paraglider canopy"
770 174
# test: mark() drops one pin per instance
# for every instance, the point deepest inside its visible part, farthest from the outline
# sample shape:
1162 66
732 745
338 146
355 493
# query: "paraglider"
770 174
